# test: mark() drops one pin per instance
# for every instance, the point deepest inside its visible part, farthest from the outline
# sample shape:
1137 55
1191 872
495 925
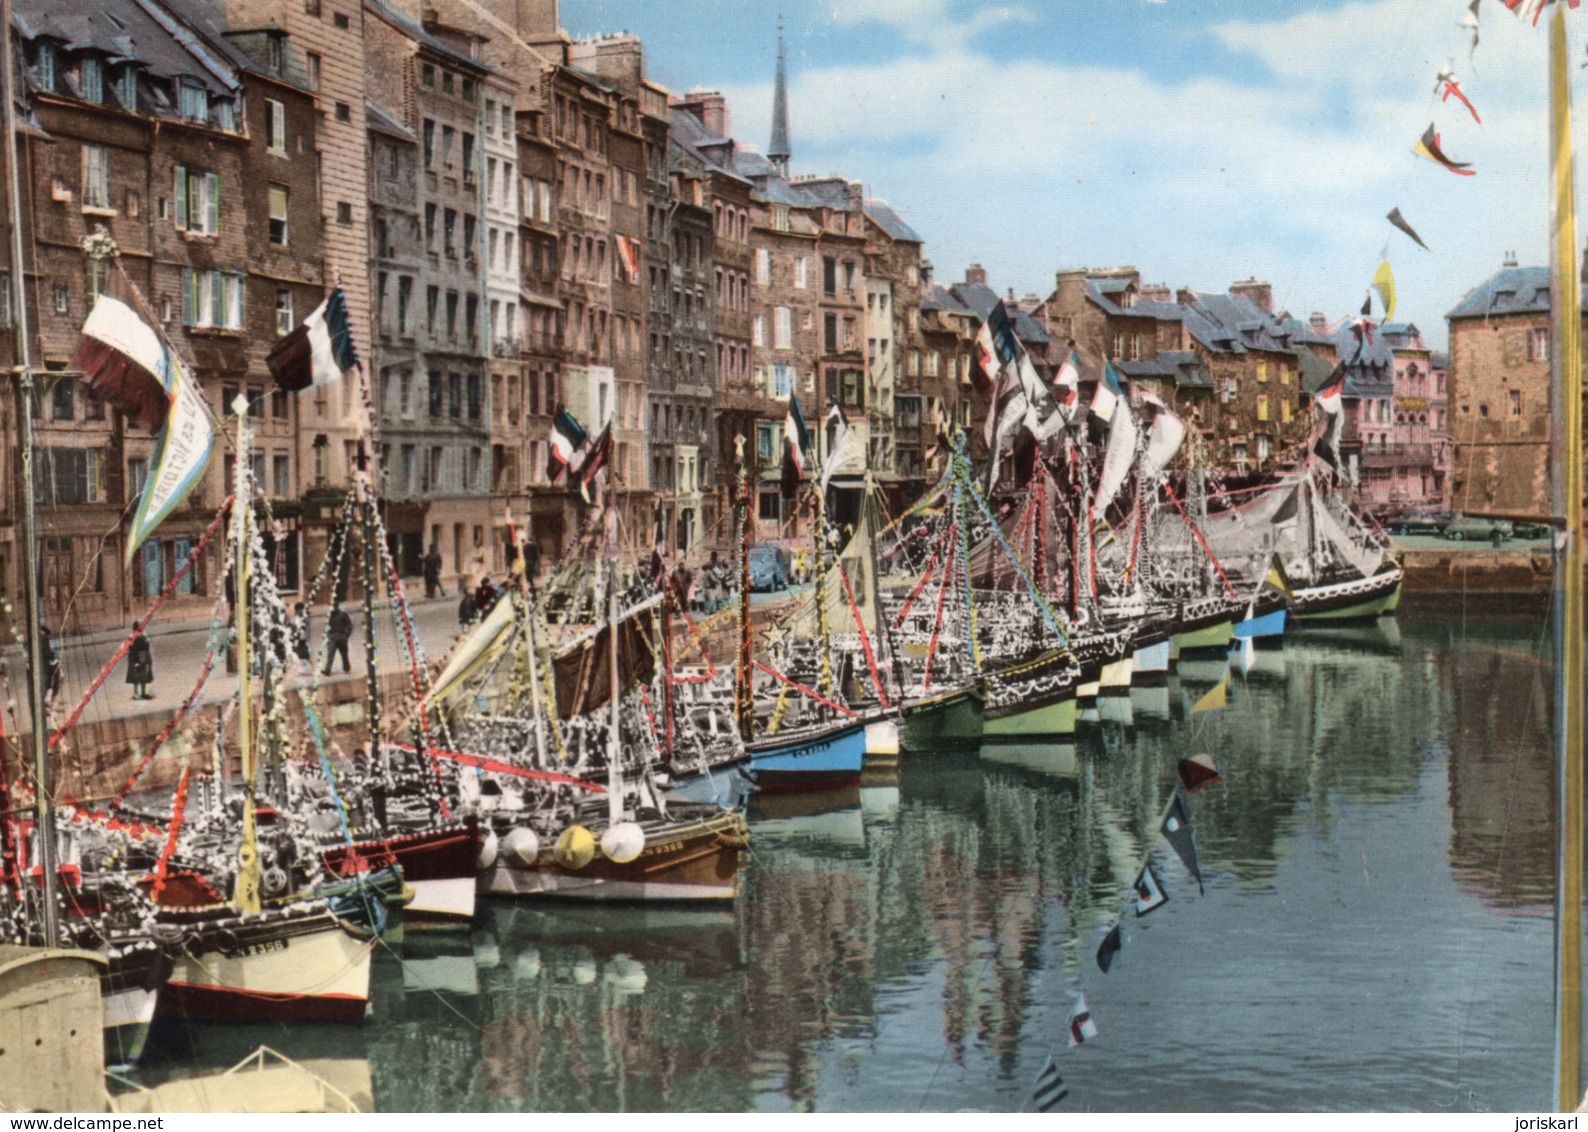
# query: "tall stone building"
1500 339
441 77
195 155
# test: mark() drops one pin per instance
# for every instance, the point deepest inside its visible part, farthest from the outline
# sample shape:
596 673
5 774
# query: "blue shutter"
181 196
215 203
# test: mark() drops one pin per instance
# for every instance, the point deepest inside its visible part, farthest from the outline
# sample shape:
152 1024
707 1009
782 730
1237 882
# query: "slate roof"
891 222
385 121
1513 290
1315 370
690 133
415 31
939 297
128 29
1183 366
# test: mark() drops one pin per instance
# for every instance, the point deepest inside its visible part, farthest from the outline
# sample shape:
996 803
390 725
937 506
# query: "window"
1516 402
758 332
452 315
1538 345
1262 448
1262 407
344 112
449 230
830 332
278 214
96 176
476 396
45 72
427 74
63 398
97 278
430 227
1262 372
468 235
69 475
127 85
430 142
225 114
783 329
212 298
137 478
276 127
468 158
801 272
312 8
340 21
193 101
437 397
91 75
281 475
471 317
63 299
454 395
285 322
315 63
198 201
405 294
344 212
448 136
763 266
432 302
829 275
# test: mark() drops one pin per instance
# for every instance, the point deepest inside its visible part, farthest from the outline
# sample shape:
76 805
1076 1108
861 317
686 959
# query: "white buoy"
488 846
522 845
623 842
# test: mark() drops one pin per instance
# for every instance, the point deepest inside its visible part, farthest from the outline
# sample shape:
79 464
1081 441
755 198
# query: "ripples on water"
1375 934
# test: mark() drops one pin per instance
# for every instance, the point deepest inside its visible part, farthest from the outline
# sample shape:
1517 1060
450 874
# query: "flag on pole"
1446 85
1279 578
597 458
183 452
987 364
797 441
843 444
1531 9
1148 891
568 438
1198 772
1329 396
1109 392
123 358
1067 384
1177 831
1109 948
317 352
1050 1088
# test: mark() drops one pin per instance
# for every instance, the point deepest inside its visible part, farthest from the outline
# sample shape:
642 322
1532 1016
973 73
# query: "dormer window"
276 53
127 85
226 115
46 67
91 78
193 101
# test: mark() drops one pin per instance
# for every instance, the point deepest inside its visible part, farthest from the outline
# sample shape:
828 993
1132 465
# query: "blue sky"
1203 141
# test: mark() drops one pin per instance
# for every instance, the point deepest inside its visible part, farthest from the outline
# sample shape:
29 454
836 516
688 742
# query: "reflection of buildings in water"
1501 767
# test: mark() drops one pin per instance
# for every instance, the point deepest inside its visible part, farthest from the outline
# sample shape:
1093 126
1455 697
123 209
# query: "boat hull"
1270 624
951 721
308 970
1054 718
1208 639
130 989
688 861
1150 665
1365 599
829 759
437 864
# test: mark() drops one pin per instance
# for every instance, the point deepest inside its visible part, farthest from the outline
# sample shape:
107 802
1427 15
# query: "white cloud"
1286 172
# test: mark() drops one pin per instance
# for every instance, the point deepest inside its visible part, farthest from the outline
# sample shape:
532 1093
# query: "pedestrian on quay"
468 609
532 561
338 632
485 596
300 639
140 664
433 586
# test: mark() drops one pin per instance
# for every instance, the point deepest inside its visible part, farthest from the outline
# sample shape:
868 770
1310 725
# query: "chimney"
976 273
709 106
1318 321
926 275
1256 290
1156 293
1185 297
1509 261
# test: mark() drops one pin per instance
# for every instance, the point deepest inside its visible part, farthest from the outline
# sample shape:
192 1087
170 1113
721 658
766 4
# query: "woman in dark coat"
140 665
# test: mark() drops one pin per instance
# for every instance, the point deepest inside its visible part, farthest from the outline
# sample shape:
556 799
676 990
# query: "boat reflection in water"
1373 863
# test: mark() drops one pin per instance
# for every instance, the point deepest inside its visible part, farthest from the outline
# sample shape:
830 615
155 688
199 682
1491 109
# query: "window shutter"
189 297
239 281
181 196
215 203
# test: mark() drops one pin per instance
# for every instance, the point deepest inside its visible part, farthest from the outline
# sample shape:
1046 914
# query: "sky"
1202 141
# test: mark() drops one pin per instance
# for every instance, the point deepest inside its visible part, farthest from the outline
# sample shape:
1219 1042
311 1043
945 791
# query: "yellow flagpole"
1569 572
245 893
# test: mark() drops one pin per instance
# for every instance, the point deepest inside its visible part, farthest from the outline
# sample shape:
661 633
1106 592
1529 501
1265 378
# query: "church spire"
778 152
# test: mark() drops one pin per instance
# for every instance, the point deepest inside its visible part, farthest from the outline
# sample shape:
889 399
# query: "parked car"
1470 527
1417 521
1530 530
769 567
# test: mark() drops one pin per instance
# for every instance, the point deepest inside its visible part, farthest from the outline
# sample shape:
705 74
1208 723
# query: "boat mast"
744 690
245 893
44 834
1566 441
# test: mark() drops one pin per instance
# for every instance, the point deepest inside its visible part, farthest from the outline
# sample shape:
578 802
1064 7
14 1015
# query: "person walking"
300 639
52 662
140 664
432 564
468 609
338 632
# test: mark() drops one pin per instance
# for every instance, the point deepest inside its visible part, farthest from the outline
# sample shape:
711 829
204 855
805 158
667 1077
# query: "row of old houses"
521 221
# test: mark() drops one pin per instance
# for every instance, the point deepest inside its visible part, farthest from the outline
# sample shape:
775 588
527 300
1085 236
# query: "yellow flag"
1384 282
1278 579
1217 698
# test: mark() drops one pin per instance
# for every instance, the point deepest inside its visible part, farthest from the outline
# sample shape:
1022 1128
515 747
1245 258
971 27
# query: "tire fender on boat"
522 845
623 842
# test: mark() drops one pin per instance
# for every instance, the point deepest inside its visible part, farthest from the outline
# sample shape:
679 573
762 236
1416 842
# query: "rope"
865 638
178 808
1206 549
811 692
170 588
481 762
942 596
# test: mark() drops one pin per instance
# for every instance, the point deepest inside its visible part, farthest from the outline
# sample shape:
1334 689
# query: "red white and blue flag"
317 352
568 438
797 442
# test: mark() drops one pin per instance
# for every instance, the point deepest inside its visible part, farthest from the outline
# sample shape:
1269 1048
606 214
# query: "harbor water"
1375 931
